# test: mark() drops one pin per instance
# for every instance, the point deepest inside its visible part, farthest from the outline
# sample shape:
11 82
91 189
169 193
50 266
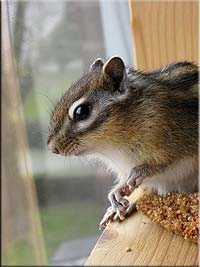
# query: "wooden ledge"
138 241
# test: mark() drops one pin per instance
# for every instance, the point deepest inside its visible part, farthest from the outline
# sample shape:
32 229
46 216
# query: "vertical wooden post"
164 32
20 211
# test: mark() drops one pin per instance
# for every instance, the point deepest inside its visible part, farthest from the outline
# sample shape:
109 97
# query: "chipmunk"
141 125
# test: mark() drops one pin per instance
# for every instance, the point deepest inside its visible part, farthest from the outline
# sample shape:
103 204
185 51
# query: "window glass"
54 44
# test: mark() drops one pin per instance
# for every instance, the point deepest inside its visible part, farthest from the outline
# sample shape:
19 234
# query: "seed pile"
176 212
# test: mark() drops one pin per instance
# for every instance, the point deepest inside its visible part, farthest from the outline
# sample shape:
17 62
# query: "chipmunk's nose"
52 146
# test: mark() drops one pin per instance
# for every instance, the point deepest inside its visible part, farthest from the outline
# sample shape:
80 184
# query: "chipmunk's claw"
117 215
112 214
107 217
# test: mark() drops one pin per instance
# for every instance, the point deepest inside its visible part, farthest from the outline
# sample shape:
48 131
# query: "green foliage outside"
67 223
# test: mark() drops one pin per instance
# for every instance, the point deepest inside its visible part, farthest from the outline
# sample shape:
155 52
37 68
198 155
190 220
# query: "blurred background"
51 205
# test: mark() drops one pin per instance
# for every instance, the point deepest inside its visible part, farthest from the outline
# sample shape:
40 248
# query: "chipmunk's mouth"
76 150
82 152
72 150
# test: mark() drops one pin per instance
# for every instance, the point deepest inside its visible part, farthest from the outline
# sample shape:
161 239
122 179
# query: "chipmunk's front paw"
117 208
116 197
119 205
113 214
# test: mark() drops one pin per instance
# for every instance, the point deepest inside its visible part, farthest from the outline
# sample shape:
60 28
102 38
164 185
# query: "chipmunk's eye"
82 112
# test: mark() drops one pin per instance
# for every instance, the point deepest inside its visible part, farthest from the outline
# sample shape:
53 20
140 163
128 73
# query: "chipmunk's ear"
98 63
114 68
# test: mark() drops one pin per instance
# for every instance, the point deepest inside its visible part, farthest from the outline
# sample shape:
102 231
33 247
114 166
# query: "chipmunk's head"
85 119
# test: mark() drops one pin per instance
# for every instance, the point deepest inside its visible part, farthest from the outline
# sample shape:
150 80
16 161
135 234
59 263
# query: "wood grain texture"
150 245
164 32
